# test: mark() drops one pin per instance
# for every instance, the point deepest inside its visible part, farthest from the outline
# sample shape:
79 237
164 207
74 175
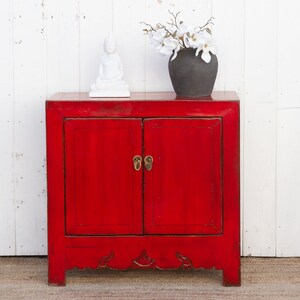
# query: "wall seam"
243 132
145 52
46 47
276 127
13 123
79 44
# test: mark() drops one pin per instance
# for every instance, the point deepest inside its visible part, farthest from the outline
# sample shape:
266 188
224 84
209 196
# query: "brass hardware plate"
137 162
148 160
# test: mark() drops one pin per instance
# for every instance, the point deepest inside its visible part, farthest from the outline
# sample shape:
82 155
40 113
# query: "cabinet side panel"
55 190
231 196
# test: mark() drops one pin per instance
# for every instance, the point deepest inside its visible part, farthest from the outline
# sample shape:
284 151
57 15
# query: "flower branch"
175 35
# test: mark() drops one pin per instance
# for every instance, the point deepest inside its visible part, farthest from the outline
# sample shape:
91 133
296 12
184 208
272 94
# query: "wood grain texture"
260 129
195 12
127 29
182 192
29 128
63 46
103 190
288 183
229 32
142 96
56 45
94 23
55 191
163 248
156 66
288 69
7 197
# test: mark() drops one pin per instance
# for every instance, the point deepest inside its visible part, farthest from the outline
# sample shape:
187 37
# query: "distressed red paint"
183 213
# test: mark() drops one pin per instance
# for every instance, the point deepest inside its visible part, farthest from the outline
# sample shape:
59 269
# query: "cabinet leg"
57 278
56 274
232 277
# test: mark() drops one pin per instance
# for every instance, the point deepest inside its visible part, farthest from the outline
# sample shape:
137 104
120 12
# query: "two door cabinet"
149 181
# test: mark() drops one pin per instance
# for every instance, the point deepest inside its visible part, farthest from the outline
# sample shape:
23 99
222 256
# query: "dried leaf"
208 30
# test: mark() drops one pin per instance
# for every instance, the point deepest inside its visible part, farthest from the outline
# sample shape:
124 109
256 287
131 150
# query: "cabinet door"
103 190
182 192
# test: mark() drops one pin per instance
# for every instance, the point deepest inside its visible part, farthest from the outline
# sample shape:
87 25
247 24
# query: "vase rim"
185 49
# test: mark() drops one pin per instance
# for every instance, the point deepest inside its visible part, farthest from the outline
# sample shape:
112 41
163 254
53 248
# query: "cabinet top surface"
151 96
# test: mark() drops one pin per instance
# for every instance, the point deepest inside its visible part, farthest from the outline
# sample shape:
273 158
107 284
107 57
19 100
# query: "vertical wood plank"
229 34
288 132
95 23
63 46
260 127
195 12
288 183
127 16
29 131
156 65
74 34
7 208
288 62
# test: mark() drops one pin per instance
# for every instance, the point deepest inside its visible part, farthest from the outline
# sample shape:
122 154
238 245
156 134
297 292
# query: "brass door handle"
148 160
137 162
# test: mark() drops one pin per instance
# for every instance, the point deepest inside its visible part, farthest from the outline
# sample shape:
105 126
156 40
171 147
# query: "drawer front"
183 190
103 190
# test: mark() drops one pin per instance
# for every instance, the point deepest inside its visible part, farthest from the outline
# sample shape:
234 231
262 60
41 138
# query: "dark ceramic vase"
191 76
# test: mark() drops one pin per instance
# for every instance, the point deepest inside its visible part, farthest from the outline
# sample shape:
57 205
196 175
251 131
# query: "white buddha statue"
109 82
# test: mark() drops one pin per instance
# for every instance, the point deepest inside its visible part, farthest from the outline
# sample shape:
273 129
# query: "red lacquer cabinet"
146 182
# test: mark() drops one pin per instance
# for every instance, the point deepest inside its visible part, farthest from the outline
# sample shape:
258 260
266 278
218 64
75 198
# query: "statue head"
110 44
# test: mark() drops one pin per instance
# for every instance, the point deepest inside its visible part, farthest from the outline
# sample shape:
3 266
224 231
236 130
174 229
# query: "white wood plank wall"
49 46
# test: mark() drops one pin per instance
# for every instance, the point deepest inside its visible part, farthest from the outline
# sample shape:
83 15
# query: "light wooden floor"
262 278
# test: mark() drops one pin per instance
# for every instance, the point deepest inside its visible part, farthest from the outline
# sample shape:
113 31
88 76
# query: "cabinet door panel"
103 191
182 191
